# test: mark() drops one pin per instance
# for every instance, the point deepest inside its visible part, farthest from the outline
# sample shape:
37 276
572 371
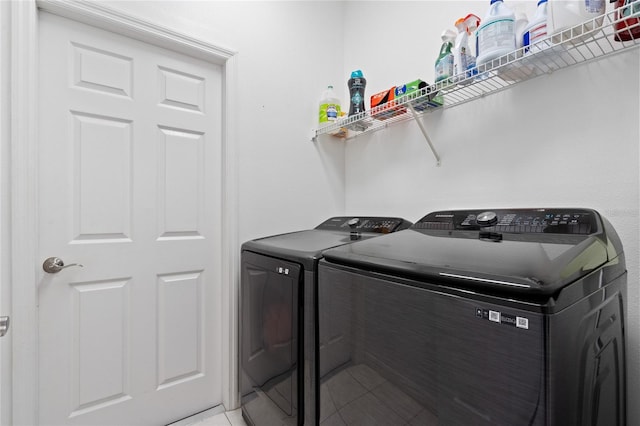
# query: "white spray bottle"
464 60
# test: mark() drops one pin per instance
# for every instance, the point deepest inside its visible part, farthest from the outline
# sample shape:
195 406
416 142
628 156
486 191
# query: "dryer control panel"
380 225
521 221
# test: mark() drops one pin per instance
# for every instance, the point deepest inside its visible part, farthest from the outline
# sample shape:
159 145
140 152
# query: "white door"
129 187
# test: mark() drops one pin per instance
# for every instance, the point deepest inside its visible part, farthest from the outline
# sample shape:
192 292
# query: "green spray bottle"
444 63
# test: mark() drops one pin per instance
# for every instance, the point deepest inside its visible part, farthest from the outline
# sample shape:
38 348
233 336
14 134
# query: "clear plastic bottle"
444 62
329 107
496 36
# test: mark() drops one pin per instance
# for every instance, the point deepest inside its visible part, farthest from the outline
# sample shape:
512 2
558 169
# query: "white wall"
288 53
5 242
565 139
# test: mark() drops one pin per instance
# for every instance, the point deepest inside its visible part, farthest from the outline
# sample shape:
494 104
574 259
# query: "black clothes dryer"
506 317
278 326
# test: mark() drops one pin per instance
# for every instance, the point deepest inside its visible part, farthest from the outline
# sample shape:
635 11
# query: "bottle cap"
357 74
469 23
472 22
448 35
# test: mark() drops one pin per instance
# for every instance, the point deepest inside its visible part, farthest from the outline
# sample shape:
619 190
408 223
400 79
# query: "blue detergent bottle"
357 84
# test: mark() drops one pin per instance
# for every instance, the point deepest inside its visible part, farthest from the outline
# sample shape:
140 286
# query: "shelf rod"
424 132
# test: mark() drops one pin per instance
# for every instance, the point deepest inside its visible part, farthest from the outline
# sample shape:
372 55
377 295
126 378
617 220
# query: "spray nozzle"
448 36
469 23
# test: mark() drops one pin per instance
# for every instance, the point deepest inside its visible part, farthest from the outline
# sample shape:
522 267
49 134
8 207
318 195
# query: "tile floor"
208 418
355 396
360 396
229 418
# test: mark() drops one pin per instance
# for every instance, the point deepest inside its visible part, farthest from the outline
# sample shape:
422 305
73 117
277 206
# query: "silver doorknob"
4 325
54 265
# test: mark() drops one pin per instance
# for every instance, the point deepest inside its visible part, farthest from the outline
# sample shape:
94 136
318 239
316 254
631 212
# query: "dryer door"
269 329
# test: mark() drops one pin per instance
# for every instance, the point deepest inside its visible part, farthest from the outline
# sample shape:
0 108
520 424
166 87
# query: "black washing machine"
506 317
278 326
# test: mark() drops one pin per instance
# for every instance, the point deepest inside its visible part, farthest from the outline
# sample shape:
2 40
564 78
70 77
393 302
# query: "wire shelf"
593 39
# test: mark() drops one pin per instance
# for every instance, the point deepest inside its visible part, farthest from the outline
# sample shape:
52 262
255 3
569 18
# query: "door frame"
20 385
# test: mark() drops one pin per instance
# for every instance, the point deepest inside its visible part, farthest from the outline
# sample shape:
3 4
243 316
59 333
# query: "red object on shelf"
627 17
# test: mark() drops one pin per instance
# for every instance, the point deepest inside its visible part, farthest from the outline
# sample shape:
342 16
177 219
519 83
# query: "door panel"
180 328
180 195
102 207
109 337
129 187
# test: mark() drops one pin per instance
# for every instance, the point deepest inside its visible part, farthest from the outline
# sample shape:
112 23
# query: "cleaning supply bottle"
444 63
357 84
464 61
329 107
573 19
522 22
496 36
537 28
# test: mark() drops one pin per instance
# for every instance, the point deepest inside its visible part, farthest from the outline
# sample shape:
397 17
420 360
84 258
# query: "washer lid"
306 247
452 248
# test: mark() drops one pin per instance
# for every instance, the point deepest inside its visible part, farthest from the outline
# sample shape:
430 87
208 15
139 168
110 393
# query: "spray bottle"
444 63
464 61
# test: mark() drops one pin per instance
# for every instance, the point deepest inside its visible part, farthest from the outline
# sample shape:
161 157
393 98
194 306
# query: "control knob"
487 219
353 223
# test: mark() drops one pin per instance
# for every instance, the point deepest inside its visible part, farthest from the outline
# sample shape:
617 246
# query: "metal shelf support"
416 117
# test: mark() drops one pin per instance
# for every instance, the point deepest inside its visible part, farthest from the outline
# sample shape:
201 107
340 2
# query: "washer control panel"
380 225
530 221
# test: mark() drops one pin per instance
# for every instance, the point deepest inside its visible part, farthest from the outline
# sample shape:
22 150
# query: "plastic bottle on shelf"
340 132
329 107
521 24
444 62
464 61
627 20
357 84
537 28
565 14
496 36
